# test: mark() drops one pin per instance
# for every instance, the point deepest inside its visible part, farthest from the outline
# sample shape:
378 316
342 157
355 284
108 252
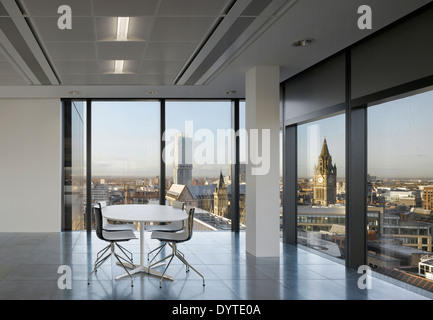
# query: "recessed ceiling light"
152 92
122 28
303 42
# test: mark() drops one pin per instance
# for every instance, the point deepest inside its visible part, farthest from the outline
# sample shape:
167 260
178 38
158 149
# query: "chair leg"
160 249
121 263
100 254
190 266
125 251
181 258
101 260
162 276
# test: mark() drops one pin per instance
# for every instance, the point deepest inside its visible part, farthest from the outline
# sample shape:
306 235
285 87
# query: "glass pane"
198 156
75 166
322 185
125 152
400 184
243 158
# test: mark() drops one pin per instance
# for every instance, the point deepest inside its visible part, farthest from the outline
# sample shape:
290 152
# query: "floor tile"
29 269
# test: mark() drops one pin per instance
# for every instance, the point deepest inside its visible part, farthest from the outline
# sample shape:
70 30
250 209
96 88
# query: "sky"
126 134
400 139
400 135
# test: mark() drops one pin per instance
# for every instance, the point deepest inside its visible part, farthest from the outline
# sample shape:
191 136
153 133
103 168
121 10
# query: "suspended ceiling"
174 48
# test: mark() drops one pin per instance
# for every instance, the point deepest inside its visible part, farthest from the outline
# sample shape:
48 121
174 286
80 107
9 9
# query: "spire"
325 150
221 180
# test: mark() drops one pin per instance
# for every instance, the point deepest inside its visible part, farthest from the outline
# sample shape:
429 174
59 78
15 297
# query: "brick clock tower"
325 179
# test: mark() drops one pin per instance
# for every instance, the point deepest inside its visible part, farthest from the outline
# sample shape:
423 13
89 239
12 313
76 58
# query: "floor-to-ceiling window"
243 160
400 183
321 209
125 152
198 157
74 157
125 162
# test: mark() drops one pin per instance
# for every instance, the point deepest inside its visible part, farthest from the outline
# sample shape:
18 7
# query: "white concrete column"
262 176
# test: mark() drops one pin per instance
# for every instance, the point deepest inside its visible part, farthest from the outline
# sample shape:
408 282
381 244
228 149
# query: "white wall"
30 165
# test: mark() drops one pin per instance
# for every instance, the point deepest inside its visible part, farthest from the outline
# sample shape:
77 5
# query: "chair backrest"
178 204
190 223
98 222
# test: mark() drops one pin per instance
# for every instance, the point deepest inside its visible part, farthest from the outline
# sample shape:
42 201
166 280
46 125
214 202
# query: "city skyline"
126 137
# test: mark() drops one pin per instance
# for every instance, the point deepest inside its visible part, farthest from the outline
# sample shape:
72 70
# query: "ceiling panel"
12 80
181 29
192 7
82 29
49 8
7 68
77 67
155 79
124 8
81 79
121 50
165 35
112 79
72 50
160 66
170 50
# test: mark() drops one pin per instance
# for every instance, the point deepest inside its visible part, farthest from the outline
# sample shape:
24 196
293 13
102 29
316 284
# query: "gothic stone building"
325 179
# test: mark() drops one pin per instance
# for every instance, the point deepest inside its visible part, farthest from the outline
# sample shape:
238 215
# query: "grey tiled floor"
29 265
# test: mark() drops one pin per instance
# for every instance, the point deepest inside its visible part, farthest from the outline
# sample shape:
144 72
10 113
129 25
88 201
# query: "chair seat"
122 235
173 226
169 236
116 227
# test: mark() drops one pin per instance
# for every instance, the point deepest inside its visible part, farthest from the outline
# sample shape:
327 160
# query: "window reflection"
400 180
321 193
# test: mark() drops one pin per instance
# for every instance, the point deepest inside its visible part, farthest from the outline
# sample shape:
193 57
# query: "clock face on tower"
330 179
320 180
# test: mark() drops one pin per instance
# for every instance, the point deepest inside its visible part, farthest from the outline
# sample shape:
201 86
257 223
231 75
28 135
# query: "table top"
144 213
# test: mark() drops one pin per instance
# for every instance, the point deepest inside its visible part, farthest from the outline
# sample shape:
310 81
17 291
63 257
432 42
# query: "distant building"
425 267
220 197
100 192
325 179
428 198
214 198
182 170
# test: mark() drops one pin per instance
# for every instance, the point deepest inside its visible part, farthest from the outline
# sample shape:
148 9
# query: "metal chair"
116 227
174 238
113 237
171 227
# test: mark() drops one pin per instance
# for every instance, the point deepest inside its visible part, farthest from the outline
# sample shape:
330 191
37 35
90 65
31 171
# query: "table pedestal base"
137 269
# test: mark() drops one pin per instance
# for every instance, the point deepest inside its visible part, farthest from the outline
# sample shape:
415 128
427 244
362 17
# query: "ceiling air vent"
241 26
19 45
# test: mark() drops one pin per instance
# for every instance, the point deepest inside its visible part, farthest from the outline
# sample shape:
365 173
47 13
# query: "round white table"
142 214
